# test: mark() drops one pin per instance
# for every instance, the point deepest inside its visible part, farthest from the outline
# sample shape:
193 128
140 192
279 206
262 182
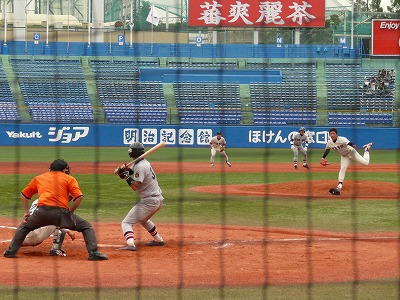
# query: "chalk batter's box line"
286 240
230 243
305 239
7 227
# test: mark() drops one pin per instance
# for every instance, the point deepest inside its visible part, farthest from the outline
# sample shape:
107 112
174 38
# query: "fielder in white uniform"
296 144
145 183
218 143
37 236
348 152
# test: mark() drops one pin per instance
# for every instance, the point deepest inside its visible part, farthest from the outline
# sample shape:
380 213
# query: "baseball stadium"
189 149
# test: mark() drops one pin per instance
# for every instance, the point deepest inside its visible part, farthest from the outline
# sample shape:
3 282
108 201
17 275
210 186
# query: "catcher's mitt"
324 162
222 148
334 192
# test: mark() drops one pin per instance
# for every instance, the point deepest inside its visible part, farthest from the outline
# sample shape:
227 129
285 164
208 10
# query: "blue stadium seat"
208 103
133 102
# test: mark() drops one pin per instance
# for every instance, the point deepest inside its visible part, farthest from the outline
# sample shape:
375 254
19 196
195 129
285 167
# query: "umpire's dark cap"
58 165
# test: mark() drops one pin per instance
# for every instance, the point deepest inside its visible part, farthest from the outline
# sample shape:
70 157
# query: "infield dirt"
206 255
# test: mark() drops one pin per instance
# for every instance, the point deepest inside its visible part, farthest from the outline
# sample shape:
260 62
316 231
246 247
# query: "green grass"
120 154
368 290
107 198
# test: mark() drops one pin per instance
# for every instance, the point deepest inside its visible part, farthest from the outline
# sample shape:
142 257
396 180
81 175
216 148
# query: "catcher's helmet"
60 165
302 129
135 150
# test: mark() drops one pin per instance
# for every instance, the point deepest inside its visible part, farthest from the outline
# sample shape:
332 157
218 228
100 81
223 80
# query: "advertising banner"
244 13
185 136
385 37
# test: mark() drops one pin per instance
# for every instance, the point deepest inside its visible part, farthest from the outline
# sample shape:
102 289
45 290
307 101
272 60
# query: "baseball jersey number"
153 175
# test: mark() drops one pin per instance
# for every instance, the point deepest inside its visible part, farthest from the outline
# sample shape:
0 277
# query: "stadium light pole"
131 24
352 25
89 20
47 22
69 11
26 26
5 22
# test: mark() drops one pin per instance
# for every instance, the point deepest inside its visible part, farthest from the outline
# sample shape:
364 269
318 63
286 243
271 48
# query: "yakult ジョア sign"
385 37
246 13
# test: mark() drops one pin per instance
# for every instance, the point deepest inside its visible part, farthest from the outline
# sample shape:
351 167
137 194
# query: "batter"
145 183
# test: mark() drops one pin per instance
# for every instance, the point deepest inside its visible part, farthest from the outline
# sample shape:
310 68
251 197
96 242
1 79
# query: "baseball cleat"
129 248
306 166
96 255
57 252
334 192
212 165
155 243
368 146
229 164
295 167
9 254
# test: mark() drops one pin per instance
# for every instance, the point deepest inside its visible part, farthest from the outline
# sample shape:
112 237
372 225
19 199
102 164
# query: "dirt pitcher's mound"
363 189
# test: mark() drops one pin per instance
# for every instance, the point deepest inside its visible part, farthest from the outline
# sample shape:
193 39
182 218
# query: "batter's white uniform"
347 153
37 236
151 200
216 145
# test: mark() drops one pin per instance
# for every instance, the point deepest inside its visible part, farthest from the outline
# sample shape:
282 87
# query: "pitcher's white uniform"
347 154
216 143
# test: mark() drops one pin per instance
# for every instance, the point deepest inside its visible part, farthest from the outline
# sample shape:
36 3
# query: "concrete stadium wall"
170 75
179 50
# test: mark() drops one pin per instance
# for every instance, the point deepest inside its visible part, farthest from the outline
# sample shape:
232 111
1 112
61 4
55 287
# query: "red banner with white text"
386 37
246 13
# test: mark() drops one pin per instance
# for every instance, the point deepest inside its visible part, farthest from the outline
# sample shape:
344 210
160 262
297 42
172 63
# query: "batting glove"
123 174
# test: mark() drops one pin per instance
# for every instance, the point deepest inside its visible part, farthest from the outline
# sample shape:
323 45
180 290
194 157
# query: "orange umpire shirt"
53 188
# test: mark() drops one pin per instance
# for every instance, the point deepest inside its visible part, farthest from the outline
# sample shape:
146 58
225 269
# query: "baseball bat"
147 153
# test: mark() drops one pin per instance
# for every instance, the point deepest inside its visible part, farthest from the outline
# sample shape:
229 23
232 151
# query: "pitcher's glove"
221 149
324 162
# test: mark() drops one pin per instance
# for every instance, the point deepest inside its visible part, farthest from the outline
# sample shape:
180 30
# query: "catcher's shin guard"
59 236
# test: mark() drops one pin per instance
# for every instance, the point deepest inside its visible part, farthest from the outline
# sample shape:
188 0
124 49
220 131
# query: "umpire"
55 189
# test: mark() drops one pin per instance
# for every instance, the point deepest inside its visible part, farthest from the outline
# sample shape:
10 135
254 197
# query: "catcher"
218 143
348 152
37 236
